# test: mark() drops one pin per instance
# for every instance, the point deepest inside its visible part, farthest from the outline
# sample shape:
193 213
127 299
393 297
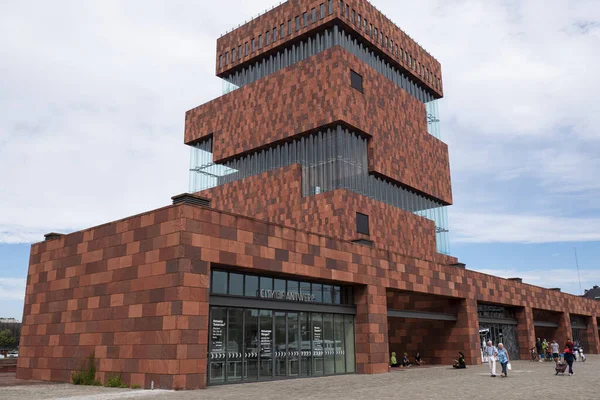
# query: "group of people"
405 361
500 354
547 351
551 352
492 352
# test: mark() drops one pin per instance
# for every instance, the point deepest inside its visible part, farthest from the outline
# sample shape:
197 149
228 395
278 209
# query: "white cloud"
566 279
509 228
93 97
12 289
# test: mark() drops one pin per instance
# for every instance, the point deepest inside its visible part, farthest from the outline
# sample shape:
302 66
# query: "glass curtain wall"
246 345
331 159
315 44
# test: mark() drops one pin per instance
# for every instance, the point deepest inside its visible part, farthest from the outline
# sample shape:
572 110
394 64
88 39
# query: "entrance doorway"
247 345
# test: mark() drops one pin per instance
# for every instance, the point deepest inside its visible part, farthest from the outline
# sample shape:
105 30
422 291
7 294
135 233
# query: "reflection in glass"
217 337
336 295
317 339
251 343
338 330
236 284
219 282
293 347
305 344
349 333
328 344
327 294
317 290
280 344
305 288
279 284
235 338
292 286
266 344
266 283
251 288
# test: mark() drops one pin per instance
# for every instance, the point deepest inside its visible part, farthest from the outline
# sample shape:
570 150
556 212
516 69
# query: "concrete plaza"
527 380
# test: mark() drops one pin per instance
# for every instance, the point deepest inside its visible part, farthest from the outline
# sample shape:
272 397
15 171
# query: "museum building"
314 239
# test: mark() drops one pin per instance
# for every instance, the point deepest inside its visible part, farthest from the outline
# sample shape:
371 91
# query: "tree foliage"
7 339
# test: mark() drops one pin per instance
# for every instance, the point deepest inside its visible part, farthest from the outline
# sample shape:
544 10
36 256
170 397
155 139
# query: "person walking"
538 348
503 359
555 351
544 349
491 352
569 358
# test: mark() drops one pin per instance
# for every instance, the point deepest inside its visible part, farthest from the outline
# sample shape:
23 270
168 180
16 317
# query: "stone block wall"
316 92
399 49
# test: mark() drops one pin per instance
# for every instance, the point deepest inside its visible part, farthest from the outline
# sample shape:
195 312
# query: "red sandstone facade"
137 292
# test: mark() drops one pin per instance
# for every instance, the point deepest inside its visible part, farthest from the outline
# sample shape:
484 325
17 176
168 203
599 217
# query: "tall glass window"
328 344
251 286
317 343
219 282
251 345
235 340
349 342
216 344
246 345
305 344
266 345
236 284
339 345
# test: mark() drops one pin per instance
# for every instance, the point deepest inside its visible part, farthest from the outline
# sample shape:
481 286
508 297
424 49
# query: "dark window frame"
362 223
356 81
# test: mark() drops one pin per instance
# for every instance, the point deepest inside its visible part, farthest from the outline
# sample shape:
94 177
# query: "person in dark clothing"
419 360
460 363
538 348
569 358
406 361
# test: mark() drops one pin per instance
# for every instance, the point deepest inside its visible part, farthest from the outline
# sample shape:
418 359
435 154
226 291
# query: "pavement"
527 380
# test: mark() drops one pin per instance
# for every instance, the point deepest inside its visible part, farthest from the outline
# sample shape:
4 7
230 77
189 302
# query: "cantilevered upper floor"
295 21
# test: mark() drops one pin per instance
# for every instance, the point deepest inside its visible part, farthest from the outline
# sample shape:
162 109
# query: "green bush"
86 375
136 386
115 381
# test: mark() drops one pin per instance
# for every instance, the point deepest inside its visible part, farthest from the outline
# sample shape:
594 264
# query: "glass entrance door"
280 345
249 344
293 345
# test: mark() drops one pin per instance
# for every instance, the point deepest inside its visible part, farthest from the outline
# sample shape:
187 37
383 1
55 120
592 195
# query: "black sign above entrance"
289 296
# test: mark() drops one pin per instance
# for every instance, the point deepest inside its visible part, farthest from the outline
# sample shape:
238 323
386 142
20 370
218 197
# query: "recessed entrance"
247 345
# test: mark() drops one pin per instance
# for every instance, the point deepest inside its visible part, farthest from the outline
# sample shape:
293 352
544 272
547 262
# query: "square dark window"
362 223
356 81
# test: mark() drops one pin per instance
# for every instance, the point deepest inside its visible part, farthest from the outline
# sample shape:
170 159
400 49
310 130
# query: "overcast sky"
93 96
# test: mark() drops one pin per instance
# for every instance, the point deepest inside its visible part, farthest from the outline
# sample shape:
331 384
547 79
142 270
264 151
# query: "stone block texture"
395 45
317 92
276 196
135 292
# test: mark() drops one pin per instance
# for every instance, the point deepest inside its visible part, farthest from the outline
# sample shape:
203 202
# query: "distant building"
9 321
593 293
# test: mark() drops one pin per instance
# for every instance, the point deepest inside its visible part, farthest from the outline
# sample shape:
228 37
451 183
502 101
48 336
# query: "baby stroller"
561 367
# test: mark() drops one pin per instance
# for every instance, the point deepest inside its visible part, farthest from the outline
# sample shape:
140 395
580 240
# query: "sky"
93 96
